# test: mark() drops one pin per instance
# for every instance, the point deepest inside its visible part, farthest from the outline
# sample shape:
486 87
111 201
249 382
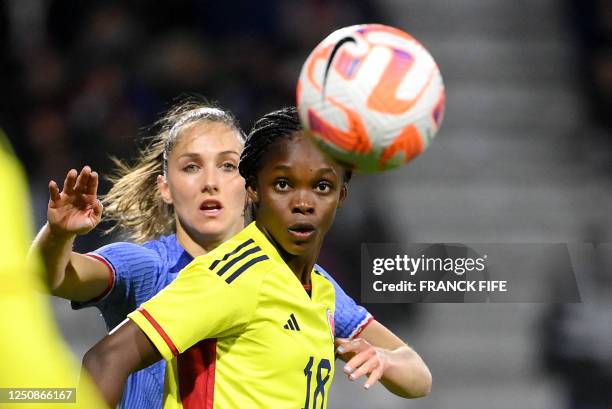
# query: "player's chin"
301 247
213 227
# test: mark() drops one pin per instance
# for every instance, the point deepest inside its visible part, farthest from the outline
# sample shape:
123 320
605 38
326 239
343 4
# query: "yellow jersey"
240 331
32 354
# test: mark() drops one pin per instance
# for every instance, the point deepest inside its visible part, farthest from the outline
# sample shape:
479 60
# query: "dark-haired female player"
251 319
158 203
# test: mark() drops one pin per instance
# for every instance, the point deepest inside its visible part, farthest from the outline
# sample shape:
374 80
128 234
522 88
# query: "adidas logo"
292 324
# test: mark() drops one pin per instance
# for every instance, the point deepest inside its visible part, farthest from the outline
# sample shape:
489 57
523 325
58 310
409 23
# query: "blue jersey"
139 272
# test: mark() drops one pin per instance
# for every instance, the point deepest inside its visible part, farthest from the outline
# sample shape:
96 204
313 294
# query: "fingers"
374 377
54 193
70 181
366 364
340 344
92 184
82 180
356 362
367 360
345 345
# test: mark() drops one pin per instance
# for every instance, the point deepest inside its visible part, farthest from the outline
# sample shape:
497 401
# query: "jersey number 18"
324 365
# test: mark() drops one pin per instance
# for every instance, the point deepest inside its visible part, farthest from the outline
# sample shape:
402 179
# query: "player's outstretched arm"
72 211
125 350
380 355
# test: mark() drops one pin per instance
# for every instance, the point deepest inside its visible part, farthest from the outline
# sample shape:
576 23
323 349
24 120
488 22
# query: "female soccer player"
185 183
233 313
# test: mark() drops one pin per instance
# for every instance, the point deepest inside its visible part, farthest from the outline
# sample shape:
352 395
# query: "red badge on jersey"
332 323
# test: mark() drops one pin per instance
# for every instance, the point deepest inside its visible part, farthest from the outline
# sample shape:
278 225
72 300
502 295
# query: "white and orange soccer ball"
372 96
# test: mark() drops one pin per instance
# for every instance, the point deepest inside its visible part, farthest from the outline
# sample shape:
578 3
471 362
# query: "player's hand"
76 209
362 359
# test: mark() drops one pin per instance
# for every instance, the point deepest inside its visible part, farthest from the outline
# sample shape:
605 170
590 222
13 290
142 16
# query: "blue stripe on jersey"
144 270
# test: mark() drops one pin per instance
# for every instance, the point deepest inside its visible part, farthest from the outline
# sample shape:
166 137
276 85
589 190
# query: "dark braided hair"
268 129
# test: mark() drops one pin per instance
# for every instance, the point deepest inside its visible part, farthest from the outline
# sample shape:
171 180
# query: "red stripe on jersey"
111 275
196 372
160 330
362 327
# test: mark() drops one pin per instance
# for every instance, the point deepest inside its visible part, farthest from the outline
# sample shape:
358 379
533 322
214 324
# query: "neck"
192 246
301 265
197 244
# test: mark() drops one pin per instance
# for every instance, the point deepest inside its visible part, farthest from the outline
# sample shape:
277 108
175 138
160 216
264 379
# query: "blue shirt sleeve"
137 271
349 318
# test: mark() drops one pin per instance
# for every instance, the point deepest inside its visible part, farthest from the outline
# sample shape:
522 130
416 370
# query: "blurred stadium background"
524 155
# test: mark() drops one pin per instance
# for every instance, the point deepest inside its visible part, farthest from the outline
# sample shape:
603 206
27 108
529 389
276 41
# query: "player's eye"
191 168
281 185
229 166
323 187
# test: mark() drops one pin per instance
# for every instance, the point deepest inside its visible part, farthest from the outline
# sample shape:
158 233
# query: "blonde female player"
182 199
229 310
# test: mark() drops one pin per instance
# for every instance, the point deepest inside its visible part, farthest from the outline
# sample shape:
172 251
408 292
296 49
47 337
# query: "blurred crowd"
82 79
576 337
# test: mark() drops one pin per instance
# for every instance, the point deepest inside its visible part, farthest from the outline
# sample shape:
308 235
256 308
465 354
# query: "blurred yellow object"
32 354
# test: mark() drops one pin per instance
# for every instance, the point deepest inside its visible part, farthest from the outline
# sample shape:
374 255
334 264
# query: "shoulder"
320 272
233 263
323 276
167 248
119 245
236 259
126 250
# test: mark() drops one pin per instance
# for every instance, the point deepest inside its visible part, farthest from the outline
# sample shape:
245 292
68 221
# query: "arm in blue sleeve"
136 273
350 318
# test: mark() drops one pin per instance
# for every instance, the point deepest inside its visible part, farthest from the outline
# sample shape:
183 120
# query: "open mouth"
211 207
302 230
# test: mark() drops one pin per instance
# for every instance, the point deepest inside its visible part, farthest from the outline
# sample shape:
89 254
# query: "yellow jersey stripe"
231 253
244 267
230 263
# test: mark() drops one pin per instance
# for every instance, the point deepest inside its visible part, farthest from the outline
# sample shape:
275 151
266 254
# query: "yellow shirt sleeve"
197 305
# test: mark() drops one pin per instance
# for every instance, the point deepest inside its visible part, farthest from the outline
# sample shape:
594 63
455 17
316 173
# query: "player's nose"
303 202
210 180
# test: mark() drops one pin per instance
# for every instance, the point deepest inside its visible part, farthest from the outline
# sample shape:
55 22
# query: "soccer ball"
372 97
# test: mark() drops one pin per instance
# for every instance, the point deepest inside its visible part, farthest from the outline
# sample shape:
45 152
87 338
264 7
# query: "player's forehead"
207 137
298 151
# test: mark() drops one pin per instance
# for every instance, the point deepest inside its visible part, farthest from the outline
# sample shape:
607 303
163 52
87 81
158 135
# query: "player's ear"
164 189
248 203
252 193
248 211
343 194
